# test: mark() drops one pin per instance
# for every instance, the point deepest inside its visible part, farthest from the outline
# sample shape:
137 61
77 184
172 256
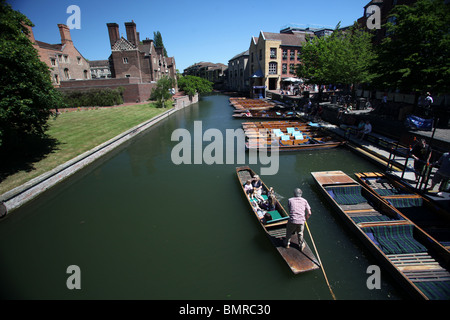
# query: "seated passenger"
248 188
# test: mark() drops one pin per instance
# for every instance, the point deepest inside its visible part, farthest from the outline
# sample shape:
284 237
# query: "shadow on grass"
23 156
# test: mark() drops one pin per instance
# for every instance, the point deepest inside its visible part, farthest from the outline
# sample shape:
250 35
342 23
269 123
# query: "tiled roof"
98 63
122 45
44 45
286 39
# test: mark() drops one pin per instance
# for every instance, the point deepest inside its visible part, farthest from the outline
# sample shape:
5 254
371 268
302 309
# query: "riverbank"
83 137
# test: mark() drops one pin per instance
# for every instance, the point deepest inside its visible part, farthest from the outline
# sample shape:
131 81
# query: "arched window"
85 73
272 68
66 74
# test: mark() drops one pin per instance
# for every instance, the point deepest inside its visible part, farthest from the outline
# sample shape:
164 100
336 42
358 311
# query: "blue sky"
192 30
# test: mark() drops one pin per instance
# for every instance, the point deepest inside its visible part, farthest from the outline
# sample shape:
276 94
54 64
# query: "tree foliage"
415 54
344 57
157 37
26 91
192 85
162 92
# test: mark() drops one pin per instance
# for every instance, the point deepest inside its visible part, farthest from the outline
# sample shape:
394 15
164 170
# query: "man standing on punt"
299 212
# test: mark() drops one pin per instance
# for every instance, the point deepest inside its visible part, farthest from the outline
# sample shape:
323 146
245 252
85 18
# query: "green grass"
79 131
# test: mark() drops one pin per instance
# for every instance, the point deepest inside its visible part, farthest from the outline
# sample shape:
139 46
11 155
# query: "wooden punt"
298 261
270 114
251 104
289 136
420 210
416 260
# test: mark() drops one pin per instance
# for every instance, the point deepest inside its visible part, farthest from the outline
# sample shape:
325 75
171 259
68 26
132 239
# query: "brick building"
214 72
100 69
63 59
133 58
238 73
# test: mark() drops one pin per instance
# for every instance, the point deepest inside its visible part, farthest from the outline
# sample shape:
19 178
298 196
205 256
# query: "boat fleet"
408 233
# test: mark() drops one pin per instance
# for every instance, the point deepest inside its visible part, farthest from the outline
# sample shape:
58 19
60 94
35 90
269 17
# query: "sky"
192 30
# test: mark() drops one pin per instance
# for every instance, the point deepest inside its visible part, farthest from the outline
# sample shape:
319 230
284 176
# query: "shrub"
93 97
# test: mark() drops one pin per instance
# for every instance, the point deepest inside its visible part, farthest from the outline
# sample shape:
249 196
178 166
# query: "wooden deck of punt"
272 115
416 260
251 104
260 136
298 261
420 210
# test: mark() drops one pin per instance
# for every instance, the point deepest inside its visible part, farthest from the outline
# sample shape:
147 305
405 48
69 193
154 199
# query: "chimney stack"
65 34
131 32
113 31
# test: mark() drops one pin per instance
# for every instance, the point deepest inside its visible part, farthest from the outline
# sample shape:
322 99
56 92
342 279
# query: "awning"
258 74
292 80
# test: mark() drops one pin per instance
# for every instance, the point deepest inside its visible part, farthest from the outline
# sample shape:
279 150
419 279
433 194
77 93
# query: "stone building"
63 59
273 57
100 69
238 73
214 72
133 58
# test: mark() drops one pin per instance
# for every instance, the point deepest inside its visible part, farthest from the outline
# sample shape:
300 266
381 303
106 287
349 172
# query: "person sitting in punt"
248 188
257 184
367 129
263 215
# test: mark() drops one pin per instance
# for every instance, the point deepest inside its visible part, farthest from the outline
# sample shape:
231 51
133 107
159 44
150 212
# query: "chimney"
30 33
131 32
113 30
65 34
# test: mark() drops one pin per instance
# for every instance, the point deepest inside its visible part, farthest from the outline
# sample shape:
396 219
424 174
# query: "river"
140 227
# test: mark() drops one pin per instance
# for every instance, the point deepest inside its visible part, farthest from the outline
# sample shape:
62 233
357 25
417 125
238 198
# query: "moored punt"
272 114
251 104
416 260
420 210
289 136
299 261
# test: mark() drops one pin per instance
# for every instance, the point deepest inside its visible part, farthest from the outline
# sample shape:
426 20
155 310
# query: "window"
284 54
66 74
298 55
53 61
66 58
284 68
272 68
273 53
78 60
85 73
292 54
292 68
56 79
60 57
125 60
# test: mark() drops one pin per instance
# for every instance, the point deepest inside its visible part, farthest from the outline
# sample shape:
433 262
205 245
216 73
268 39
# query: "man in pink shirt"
299 212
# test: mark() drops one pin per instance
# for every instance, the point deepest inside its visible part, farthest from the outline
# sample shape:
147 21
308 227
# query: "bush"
93 98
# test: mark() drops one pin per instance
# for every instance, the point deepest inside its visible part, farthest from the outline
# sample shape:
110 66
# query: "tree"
344 57
192 85
162 91
26 91
414 57
157 37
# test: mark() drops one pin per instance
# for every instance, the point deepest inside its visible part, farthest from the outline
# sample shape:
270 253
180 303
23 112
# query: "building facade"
133 58
214 72
63 59
100 69
238 73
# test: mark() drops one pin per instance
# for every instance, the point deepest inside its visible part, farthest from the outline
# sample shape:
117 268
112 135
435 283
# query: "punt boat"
415 259
289 136
419 209
270 114
243 104
298 261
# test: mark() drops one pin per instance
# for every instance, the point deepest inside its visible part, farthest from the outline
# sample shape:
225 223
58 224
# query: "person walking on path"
299 212
444 170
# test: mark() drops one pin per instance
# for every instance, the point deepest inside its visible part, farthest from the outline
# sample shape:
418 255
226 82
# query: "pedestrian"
299 212
428 100
420 155
444 169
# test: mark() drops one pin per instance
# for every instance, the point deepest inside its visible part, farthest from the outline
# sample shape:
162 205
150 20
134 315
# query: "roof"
45 45
122 45
98 63
286 39
245 53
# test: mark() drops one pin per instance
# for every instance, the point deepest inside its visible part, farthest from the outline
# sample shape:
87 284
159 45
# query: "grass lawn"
80 131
